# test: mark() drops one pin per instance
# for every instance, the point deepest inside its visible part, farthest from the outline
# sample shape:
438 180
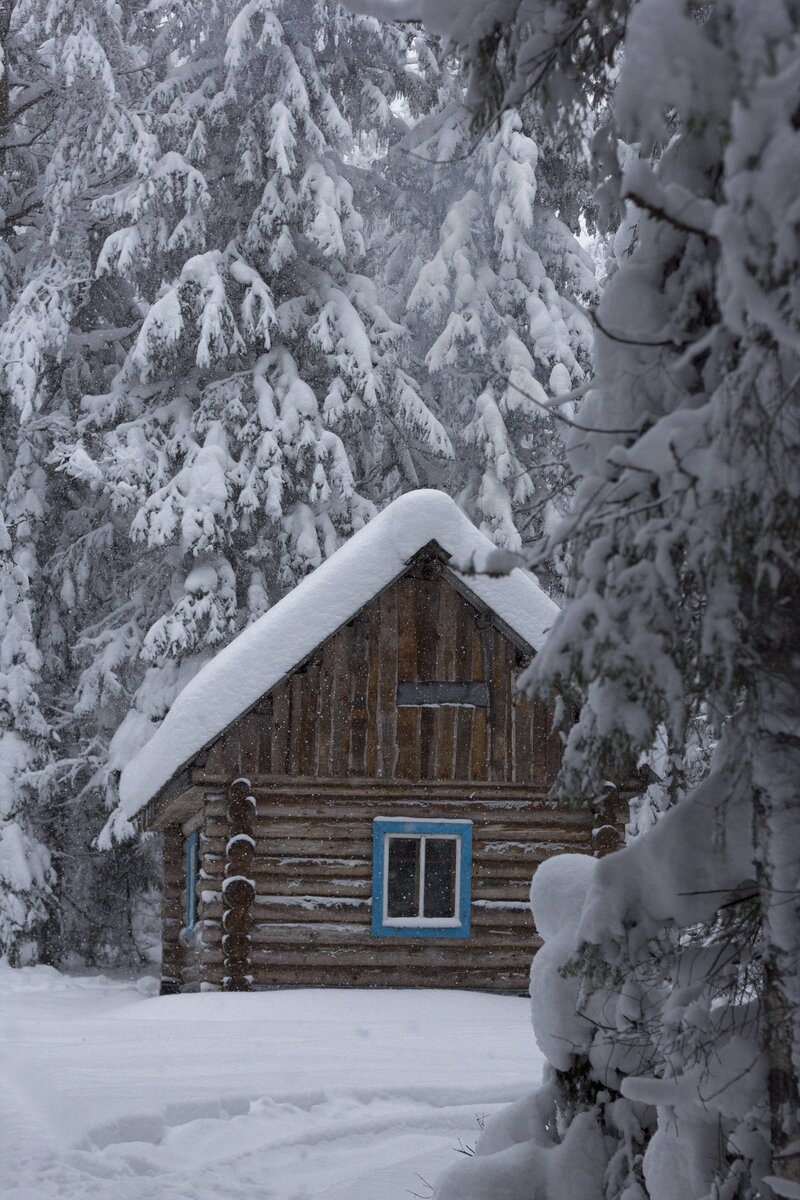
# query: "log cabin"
353 792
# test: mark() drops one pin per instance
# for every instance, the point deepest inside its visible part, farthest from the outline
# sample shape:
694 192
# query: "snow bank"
344 1094
680 873
41 978
558 892
512 1163
269 648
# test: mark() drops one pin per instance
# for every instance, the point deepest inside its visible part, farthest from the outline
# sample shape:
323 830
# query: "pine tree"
25 864
262 410
67 125
493 281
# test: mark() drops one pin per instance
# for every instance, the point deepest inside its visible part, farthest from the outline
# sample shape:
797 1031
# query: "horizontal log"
333 829
359 914
212 955
494 915
331 935
314 848
488 832
324 829
338 785
313 885
394 954
309 933
523 852
500 871
494 889
502 918
332 868
275 847
354 804
515 982
302 884
267 911
343 808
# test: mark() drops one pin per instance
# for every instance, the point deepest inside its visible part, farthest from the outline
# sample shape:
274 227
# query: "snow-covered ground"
107 1090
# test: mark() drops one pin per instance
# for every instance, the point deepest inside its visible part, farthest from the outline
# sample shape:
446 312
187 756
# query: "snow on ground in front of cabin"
107 1091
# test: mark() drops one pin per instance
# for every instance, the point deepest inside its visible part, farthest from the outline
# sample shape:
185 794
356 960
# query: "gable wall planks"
337 716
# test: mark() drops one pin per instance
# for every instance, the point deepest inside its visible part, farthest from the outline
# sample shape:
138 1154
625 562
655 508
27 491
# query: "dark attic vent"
423 695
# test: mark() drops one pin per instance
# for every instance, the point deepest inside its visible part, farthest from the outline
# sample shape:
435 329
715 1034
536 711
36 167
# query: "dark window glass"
440 877
192 873
402 891
419 694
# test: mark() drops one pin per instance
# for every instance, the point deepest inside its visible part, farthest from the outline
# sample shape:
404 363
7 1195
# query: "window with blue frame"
421 878
192 876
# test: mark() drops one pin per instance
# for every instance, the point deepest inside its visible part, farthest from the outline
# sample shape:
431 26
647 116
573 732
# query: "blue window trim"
192 873
382 826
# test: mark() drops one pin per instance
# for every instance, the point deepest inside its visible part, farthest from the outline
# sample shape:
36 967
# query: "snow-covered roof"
269 649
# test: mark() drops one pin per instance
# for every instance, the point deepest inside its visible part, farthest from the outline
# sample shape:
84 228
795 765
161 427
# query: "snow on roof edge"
269 649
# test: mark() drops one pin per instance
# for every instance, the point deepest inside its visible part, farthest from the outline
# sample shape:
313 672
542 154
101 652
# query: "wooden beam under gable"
176 801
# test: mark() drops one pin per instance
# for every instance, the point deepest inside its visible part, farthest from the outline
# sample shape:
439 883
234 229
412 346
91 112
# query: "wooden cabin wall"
313 879
338 715
326 753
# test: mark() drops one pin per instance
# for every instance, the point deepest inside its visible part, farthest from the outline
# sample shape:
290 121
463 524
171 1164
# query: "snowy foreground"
109 1091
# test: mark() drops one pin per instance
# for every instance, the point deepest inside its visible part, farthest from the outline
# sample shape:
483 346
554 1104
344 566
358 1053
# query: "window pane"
440 877
402 891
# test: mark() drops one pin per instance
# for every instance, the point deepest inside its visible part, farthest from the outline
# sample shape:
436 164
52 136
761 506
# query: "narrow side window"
192 876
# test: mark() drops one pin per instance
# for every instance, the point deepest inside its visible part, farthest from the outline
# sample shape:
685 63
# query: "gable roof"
269 649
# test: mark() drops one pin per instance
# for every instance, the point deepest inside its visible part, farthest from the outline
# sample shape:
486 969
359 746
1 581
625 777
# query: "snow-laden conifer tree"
67 126
676 1044
493 281
25 865
262 410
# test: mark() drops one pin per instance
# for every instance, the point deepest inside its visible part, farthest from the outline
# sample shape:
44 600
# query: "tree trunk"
776 777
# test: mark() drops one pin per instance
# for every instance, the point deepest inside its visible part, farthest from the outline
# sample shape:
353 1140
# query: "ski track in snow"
110 1094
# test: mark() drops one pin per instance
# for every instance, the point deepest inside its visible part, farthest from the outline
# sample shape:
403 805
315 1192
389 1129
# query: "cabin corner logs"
285 799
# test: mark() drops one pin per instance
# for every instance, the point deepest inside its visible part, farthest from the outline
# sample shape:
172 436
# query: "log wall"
312 869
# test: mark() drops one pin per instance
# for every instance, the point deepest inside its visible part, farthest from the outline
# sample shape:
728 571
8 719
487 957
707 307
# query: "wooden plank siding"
337 716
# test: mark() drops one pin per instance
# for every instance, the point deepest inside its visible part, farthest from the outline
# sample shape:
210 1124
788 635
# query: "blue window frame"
421 878
192 874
